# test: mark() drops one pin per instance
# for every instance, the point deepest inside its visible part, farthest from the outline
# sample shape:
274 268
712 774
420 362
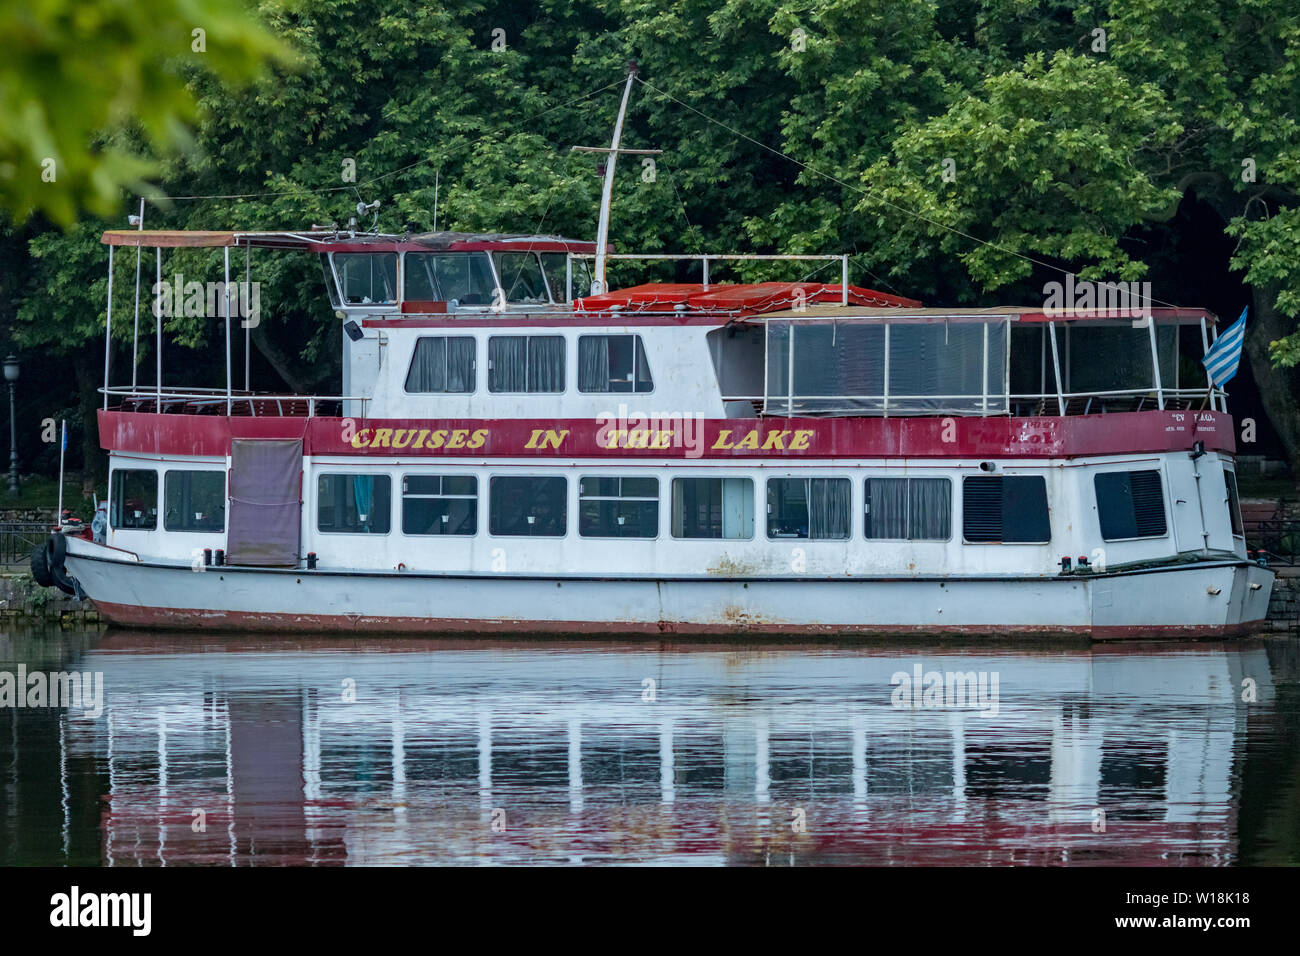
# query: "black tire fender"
41 567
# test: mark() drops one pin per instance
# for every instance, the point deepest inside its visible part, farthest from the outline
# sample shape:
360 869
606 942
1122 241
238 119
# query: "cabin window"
618 507
553 263
135 499
439 504
442 364
1004 509
612 363
194 501
354 504
442 277
526 363
1130 504
713 508
1234 503
529 506
908 509
813 508
367 278
521 277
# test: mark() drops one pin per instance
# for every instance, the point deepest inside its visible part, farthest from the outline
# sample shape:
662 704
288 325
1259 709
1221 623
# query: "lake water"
243 750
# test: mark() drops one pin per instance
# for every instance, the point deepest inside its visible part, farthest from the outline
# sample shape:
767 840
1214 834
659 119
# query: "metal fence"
1276 536
19 538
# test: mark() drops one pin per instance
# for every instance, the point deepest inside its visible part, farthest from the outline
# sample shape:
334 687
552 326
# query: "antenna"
598 284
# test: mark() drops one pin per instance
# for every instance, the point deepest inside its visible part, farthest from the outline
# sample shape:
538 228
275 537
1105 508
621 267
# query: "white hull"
1212 599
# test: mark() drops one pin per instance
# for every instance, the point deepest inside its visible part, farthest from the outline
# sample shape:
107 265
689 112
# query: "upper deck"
466 326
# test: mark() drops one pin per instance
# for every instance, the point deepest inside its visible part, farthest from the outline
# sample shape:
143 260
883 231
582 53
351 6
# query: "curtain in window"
931 509
546 363
828 508
888 515
363 492
593 363
508 357
428 366
460 364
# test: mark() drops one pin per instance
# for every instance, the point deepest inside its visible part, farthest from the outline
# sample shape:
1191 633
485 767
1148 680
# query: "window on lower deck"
442 363
440 504
135 499
908 509
613 363
618 507
526 363
1005 509
713 508
354 504
528 506
194 501
812 508
1130 504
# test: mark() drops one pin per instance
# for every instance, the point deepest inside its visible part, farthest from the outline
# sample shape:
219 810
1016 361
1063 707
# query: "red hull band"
194 618
740 438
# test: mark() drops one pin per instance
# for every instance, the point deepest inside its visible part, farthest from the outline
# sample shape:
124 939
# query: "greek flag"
1223 357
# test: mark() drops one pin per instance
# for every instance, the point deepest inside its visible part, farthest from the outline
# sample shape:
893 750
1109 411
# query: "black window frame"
807 534
440 495
497 481
388 482
116 502
1120 492
619 497
473 366
529 339
1008 505
186 475
639 364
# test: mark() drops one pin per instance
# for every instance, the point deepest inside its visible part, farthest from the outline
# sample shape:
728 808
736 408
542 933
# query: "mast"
598 284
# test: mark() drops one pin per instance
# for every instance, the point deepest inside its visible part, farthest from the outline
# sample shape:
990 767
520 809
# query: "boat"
518 447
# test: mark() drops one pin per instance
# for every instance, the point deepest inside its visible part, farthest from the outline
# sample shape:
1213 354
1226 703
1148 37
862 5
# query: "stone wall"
22 598
1284 605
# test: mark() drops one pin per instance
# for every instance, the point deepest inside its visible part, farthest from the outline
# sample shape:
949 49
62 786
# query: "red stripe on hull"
740 439
211 620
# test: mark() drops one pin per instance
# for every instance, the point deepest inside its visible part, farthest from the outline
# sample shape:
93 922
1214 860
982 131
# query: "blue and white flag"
1224 356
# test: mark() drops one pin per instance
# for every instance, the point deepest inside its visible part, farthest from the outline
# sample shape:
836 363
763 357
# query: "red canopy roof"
745 299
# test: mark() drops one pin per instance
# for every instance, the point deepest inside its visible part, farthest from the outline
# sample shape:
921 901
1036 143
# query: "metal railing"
1276 537
19 538
215 401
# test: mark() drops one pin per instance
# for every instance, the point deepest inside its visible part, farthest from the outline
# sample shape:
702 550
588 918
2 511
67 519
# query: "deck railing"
216 401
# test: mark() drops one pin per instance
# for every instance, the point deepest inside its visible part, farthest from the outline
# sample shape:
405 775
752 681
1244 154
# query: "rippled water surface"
266 751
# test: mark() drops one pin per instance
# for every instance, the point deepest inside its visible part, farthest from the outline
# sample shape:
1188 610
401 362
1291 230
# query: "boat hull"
1213 599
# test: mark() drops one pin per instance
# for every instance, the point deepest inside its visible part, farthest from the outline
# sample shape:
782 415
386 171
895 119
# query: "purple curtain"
265 502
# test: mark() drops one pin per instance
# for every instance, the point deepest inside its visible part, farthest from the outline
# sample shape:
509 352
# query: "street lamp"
11 376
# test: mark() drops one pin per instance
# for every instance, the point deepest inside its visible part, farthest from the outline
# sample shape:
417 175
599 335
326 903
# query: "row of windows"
910 509
528 363
526 277
995 508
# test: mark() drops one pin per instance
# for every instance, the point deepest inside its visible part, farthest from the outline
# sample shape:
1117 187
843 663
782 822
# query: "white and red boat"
779 457
514 447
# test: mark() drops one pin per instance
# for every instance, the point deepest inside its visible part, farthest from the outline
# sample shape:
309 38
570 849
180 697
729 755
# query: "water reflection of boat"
443 737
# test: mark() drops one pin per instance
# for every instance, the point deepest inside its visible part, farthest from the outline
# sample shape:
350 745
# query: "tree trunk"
94 464
1275 384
